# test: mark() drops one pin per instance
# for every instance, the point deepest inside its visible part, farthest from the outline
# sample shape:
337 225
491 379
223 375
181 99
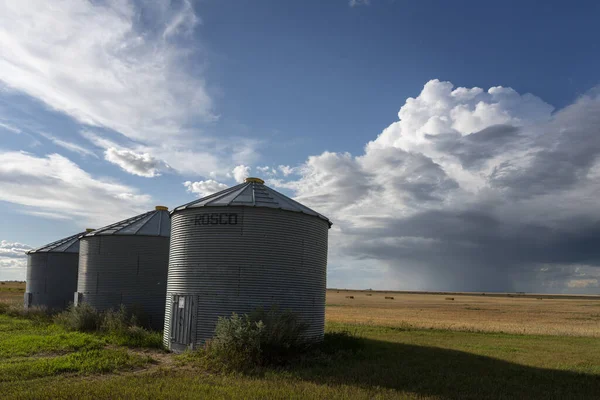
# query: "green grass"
84 362
578 354
136 338
8 324
117 327
47 341
32 349
379 363
24 337
177 384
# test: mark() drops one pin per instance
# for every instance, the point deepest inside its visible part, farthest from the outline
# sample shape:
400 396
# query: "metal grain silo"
245 247
126 263
52 273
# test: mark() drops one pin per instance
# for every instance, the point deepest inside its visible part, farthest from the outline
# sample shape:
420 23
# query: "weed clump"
236 344
81 318
283 336
247 345
36 313
122 319
248 342
4 307
122 326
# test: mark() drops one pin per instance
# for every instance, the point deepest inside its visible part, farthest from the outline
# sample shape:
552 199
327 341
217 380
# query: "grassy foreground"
31 349
403 358
41 361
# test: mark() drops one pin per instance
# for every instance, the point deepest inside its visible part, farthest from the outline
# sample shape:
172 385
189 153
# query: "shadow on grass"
449 374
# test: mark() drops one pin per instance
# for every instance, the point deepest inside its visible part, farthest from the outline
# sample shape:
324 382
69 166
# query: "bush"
37 314
135 336
236 344
247 342
82 318
283 336
120 320
121 326
125 328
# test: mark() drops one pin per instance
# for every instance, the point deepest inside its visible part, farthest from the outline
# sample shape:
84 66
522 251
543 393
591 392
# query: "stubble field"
509 313
415 346
11 291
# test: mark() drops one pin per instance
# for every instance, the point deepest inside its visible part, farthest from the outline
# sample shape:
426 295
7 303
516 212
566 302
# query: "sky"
454 145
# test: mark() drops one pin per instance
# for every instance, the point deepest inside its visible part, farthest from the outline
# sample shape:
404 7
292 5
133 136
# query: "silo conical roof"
151 223
66 245
252 193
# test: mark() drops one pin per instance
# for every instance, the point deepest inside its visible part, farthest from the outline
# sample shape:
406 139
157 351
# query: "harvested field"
554 315
12 291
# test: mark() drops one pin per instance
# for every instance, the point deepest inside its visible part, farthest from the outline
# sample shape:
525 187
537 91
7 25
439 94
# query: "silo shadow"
447 374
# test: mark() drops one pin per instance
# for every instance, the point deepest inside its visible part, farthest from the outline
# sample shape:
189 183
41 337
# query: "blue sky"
109 108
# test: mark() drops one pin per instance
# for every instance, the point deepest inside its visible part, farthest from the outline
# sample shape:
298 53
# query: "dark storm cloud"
481 236
559 158
510 205
474 149
413 177
476 250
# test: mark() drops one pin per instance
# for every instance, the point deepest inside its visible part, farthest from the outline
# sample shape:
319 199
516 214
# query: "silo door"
183 320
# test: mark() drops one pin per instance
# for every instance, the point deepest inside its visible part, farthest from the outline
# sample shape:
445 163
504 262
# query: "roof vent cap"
255 180
161 208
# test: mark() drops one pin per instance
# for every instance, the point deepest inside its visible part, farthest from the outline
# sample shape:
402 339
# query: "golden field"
531 314
12 291
510 313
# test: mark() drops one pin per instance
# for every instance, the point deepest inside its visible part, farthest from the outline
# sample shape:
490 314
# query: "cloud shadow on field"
450 374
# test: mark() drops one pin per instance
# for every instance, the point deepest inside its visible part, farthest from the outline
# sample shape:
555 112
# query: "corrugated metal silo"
126 263
52 273
245 247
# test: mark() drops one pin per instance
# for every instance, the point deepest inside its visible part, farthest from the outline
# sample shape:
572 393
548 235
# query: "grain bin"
52 274
126 263
245 247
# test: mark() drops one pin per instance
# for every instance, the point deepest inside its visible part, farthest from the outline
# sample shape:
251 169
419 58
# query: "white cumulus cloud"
266 170
240 173
141 164
204 188
13 249
13 260
470 189
286 170
356 3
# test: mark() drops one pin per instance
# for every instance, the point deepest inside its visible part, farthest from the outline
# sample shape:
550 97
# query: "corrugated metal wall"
235 259
51 279
129 270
